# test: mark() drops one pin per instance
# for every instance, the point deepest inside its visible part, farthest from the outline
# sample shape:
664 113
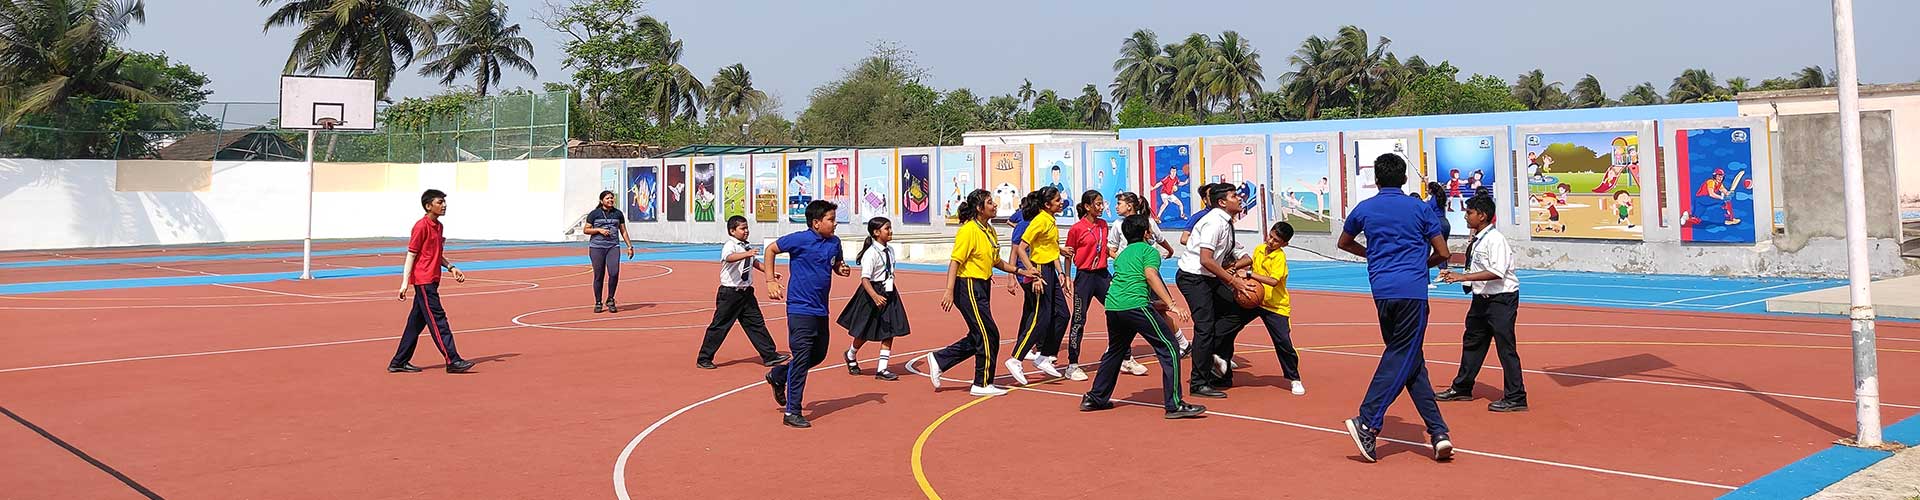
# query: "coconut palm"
1587 93
478 40
1534 91
670 88
1695 85
1026 91
372 38
1095 112
1360 65
1812 77
1738 84
1311 81
1234 72
1641 95
1137 68
53 50
1183 88
732 92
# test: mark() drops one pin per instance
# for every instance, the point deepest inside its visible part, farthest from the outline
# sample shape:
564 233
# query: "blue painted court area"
1812 474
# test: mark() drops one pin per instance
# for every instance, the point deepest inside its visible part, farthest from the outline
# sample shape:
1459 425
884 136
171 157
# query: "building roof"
206 145
1893 88
1504 119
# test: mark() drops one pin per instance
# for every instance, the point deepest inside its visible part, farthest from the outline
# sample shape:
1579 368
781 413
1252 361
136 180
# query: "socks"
885 355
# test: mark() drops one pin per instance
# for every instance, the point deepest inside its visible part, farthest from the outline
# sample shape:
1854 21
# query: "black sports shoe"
1363 438
1505 406
599 308
1207 392
1442 447
403 368
459 366
795 421
1087 403
611 307
853 365
777 359
779 390
885 375
704 364
1186 411
1453 395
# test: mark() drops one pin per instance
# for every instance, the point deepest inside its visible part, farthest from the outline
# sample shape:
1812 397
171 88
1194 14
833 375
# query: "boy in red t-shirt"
420 278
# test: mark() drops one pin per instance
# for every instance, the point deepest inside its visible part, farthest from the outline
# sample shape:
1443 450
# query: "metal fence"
506 127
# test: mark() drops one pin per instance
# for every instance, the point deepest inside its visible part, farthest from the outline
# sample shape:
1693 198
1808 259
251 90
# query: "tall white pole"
306 250
1866 370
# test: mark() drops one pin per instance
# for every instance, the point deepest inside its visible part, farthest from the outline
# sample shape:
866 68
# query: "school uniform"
736 301
1043 314
1276 307
1398 228
1130 313
862 318
428 243
1091 279
812 259
1491 317
1217 316
977 249
604 250
1117 242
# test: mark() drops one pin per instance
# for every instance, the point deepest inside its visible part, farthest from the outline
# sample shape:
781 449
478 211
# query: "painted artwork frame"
1464 166
1717 171
1110 169
916 187
959 175
1584 184
643 193
767 185
1303 187
705 195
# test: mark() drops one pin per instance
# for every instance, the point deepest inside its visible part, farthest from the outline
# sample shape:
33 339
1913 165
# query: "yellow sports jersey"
1043 239
1273 265
976 248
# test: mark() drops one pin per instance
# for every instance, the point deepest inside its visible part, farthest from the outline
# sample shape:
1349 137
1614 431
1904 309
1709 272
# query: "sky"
989 46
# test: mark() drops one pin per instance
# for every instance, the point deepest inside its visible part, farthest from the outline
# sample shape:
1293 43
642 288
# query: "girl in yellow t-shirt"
976 253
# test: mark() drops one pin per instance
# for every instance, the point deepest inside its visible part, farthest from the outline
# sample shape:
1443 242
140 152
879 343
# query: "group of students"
1116 263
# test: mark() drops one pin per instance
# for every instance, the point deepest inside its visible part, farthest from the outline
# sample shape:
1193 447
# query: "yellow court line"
919 444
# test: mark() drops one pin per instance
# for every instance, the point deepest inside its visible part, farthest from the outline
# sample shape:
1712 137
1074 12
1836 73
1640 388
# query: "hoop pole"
306 247
1866 364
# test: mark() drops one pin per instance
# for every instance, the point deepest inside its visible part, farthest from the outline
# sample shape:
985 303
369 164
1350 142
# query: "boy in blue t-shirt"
815 257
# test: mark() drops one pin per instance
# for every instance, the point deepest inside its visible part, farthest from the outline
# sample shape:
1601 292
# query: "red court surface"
276 390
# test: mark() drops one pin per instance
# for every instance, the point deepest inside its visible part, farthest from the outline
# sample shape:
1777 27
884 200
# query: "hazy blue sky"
989 46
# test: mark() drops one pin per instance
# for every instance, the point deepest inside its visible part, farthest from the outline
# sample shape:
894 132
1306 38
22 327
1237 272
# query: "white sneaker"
1075 373
1019 375
1134 367
933 370
1299 389
1219 366
1032 355
986 391
1045 365
1233 365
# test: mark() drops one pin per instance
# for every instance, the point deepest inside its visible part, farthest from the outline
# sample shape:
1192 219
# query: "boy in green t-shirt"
1136 276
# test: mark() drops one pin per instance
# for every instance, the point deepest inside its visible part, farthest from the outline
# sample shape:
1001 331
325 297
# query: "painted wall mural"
959 171
733 186
1238 164
1110 171
799 188
916 189
1170 191
875 198
766 188
1716 200
1054 166
1464 167
642 194
836 185
704 196
1006 174
1301 192
1360 176
1584 185
676 192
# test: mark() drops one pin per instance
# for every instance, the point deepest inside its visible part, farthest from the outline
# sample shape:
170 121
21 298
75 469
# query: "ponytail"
975 202
874 226
1087 201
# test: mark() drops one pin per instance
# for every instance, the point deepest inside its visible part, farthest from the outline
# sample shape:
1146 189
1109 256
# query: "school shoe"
403 368
1133 367
1452 395
599 308
1505 406
853 366
1363 438
704 365
459 366
1442 448
1019 375
777 359
779 389
1233 365
885 375
987 390
1045 365
612 307
1299 389
933 370
1207 392
795 421
1076 374
1219 366
1087 403
1186 411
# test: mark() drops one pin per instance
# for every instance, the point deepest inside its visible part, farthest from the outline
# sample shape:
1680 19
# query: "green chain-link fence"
506 127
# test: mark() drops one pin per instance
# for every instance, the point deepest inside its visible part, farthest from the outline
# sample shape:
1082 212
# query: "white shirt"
1213 232
877 266
1117 240
738 273
1489 251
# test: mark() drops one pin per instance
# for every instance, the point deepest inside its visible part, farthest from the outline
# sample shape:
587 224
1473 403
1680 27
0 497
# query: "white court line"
326 299
1343 432
1723 294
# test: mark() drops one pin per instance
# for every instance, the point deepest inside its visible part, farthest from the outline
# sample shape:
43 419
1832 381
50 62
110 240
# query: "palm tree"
671 89
1000 112
1812 77
1533 91
1738 84
478 40
53 50
1641 95
1234 73
1310 82
1095 111
1026 91
1587 93
372 38
732 92
1360 65
1136 69
1183 87
1695 85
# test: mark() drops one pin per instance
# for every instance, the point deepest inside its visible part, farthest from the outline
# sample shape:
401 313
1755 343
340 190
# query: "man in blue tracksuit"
1404 239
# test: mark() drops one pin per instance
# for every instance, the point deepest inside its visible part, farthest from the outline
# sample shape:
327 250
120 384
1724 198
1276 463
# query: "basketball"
1249 297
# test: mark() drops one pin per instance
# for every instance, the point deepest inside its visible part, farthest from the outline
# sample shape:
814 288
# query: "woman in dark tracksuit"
604 224
976 253
1044 313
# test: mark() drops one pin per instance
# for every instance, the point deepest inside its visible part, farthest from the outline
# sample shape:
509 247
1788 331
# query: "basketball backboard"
306 100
